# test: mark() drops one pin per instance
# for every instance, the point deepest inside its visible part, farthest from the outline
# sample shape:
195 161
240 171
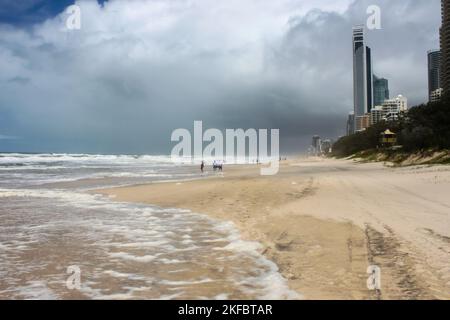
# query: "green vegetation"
425 129
398 157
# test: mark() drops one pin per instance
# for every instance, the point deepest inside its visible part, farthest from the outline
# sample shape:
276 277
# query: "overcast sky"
137 70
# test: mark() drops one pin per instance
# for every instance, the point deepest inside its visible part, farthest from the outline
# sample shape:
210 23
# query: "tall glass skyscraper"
434 66
380 90
362 74
369 77
445 47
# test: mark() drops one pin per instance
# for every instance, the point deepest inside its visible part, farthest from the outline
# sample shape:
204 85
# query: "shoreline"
321 254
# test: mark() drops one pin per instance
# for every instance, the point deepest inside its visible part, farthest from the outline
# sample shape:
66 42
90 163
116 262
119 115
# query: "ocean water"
49 223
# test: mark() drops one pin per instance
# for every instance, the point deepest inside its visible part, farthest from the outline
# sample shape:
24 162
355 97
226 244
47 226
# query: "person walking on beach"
202 166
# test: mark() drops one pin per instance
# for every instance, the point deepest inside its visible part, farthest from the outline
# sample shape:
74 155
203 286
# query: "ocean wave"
122 236
46 158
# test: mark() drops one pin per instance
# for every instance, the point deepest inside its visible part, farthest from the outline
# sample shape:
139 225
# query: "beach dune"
325 221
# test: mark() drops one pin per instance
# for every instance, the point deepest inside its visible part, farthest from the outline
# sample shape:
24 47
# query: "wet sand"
323 222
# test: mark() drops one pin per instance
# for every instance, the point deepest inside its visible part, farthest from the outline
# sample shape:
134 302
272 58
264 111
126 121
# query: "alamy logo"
73 282
235 146
73 21
374 280
374 19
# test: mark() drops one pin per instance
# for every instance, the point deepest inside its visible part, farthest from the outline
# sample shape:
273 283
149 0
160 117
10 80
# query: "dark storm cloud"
138 70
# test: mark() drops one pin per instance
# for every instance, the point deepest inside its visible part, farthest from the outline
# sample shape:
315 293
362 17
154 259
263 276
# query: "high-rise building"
351 123
362 122
326 146
436 95
316 144
376 115
399 103
445 47
380 90
390 110
362 74
369 79
434 66
393 108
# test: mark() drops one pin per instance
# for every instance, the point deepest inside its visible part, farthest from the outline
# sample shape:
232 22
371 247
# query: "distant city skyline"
371 94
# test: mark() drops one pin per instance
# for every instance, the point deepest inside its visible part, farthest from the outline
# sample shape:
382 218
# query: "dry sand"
323 222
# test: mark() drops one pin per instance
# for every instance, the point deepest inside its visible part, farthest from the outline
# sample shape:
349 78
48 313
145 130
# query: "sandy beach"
324 221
